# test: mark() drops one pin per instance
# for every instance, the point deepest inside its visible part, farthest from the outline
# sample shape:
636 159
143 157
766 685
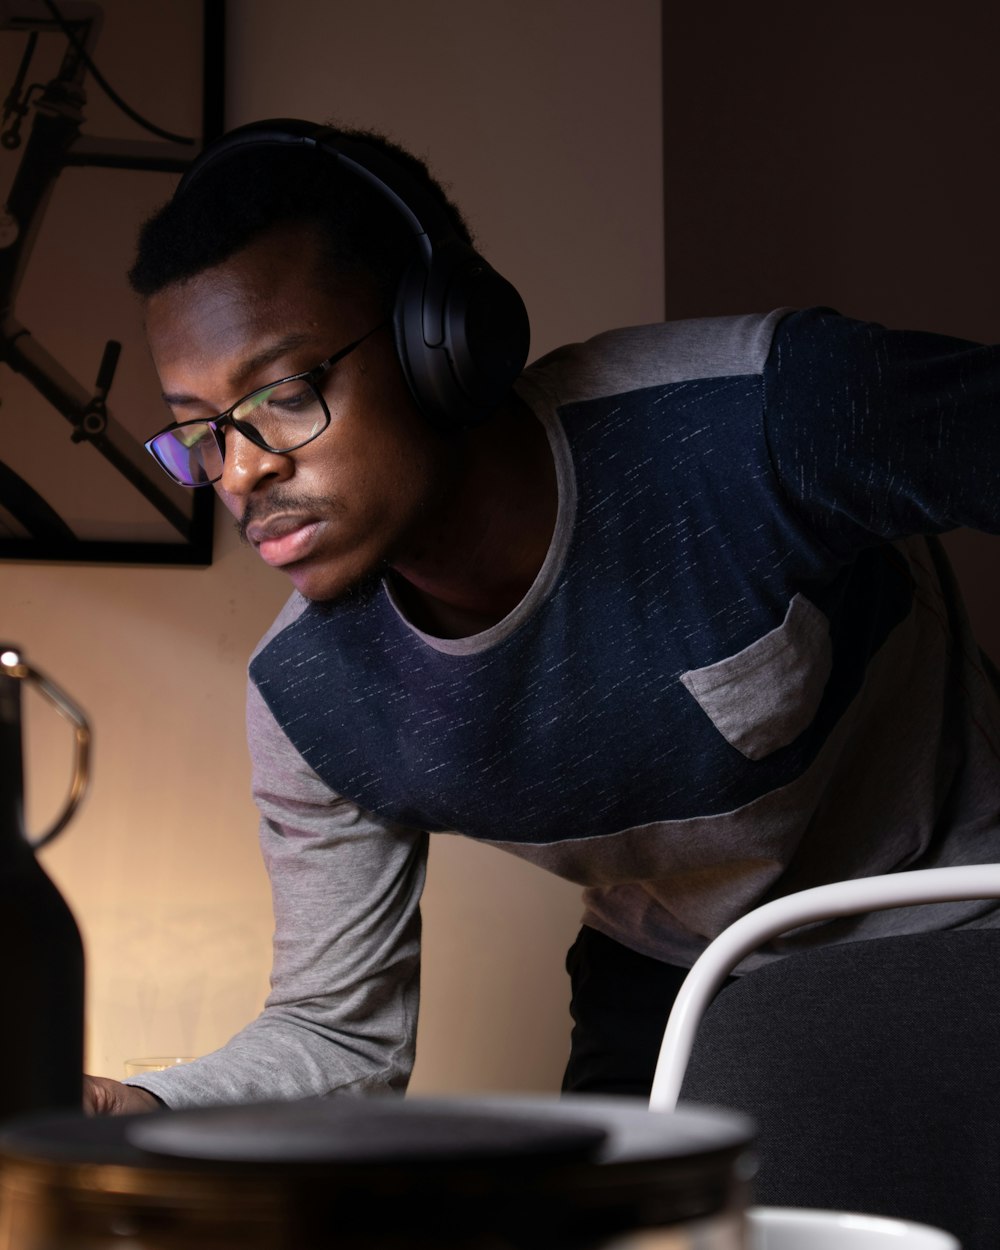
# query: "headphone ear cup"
462 335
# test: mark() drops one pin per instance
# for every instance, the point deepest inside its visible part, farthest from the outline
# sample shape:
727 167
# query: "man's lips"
283 539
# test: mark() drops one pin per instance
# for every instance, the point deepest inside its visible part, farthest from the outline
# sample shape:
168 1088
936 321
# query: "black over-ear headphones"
461 329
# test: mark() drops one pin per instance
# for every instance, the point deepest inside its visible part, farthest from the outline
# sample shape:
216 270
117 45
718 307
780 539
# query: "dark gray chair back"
872 1070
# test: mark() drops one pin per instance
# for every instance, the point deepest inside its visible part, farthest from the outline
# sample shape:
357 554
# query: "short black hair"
232 204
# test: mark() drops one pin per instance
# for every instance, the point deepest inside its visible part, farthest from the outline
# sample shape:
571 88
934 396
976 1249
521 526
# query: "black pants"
621 1001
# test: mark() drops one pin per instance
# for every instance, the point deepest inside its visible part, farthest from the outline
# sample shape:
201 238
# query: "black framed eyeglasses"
281 416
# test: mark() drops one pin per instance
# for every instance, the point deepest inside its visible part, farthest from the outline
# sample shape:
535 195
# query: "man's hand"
102 1096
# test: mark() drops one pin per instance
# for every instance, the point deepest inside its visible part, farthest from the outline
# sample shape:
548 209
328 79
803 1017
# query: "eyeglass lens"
283 417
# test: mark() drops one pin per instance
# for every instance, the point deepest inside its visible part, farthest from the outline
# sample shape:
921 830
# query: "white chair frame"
824 902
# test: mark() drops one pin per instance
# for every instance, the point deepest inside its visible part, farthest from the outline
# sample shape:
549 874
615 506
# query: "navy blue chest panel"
576 725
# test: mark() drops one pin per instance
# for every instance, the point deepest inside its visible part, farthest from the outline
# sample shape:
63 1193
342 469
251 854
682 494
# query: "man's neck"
476 559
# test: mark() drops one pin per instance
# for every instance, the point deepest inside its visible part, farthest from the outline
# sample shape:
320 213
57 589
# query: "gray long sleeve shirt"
742 669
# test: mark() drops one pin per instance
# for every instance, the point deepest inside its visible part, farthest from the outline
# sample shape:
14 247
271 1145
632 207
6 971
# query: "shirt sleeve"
880 434
342 1011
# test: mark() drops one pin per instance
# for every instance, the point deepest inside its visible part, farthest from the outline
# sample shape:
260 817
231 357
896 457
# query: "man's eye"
192 435
291 399
288 397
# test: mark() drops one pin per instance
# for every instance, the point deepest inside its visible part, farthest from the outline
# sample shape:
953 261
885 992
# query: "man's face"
335 511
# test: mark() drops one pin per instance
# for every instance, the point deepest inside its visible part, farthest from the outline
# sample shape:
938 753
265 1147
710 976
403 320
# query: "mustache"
260 508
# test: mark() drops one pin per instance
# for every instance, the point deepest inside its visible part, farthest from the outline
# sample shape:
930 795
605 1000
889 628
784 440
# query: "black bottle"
41 955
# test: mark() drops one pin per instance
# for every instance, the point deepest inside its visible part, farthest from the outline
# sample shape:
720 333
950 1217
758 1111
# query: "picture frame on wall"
106 103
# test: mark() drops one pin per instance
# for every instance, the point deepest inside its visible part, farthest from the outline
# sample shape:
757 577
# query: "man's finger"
103 1096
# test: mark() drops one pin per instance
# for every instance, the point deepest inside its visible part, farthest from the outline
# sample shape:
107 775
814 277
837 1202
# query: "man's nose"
246 466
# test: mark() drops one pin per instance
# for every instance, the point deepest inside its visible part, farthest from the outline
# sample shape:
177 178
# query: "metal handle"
14 666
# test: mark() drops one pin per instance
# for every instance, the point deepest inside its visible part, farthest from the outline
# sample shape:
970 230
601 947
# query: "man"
664 623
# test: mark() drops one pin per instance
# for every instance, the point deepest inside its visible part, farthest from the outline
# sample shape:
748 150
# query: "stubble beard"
360 588
311 505
369 581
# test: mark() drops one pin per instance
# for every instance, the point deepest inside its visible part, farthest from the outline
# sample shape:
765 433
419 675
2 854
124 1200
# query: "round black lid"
574 1169
370 1131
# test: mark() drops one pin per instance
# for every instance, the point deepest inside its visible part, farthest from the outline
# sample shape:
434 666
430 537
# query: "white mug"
791 1228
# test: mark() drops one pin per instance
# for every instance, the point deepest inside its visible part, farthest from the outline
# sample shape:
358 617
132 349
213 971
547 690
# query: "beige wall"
544 116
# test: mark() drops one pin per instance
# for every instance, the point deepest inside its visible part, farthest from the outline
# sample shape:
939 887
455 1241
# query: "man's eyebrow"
267 355
247 368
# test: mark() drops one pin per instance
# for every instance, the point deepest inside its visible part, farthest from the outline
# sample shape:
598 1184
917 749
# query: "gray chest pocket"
764 696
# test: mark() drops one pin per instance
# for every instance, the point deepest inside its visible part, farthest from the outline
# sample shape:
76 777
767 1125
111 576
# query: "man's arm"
342 1011
882 434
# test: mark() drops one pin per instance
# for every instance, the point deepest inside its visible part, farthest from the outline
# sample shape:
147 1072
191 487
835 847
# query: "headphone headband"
461 329
426 218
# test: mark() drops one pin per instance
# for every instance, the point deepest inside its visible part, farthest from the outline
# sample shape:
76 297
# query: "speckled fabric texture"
743 669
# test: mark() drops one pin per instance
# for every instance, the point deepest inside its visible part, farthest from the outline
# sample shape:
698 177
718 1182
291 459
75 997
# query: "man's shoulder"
636 357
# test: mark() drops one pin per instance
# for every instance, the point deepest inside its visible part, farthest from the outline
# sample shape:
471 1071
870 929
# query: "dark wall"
842 154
